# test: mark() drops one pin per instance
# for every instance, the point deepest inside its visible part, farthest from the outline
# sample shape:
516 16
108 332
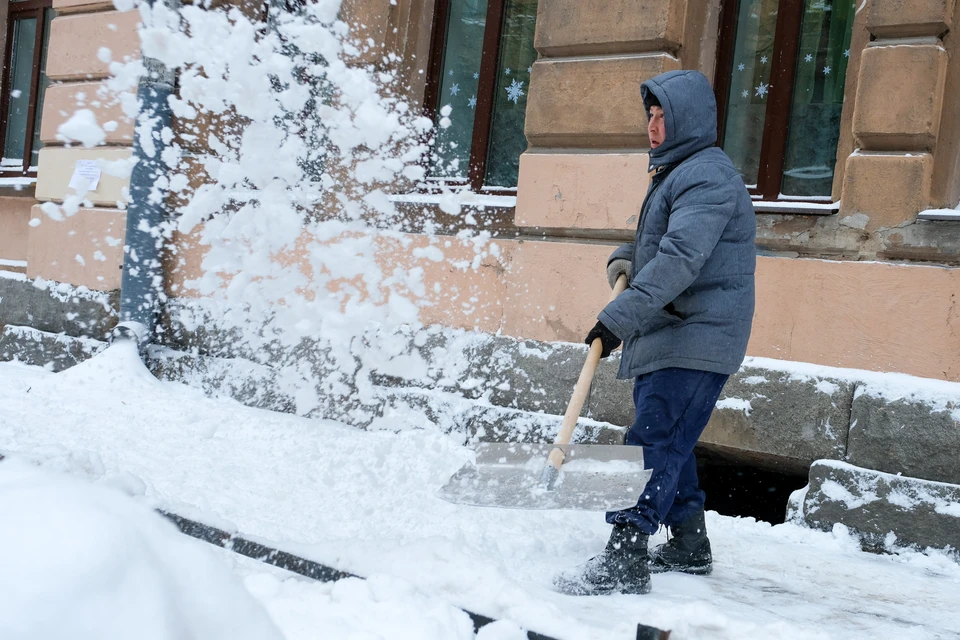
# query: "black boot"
621 568
687 551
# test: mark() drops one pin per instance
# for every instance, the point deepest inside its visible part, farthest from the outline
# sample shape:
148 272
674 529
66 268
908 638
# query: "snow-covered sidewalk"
365 503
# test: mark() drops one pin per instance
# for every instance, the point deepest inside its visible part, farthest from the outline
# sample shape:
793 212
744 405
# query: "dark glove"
608 338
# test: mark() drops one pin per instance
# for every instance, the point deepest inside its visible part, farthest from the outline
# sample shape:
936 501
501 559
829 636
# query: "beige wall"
85 249
62 100
862 315
76 39
400 27
14 226
57 165
581 191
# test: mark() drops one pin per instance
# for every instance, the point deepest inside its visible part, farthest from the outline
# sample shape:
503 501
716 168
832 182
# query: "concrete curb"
881 509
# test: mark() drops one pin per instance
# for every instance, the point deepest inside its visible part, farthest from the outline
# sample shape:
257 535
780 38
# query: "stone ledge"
265 387
884 511
58 308
906 435
910 18
576 28
781 421
53 351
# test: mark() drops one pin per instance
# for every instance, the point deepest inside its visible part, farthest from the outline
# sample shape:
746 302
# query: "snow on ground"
365 502
83 562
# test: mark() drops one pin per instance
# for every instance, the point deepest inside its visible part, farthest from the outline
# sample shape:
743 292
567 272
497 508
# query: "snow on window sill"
17 182
939 214
462 198
796 207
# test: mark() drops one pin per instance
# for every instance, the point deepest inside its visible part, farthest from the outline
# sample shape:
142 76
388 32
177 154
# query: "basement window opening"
746 491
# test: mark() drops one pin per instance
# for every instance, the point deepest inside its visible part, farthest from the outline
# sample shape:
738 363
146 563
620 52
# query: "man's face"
656 127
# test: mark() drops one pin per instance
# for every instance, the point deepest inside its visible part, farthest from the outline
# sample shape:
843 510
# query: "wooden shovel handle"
583 387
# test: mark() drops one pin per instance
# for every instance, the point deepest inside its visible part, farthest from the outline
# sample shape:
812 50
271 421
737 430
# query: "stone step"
883 510
53 351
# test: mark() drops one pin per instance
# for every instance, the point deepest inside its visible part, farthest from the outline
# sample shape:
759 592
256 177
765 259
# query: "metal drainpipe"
141 285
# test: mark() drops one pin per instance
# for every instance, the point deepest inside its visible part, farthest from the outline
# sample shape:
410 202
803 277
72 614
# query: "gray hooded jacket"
691 294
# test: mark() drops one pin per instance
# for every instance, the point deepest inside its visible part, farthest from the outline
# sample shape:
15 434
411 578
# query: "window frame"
25 9
786 46
486 90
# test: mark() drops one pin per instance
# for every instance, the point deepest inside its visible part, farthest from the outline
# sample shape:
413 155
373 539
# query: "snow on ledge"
797 207
939 395
468 199
17 182
939 214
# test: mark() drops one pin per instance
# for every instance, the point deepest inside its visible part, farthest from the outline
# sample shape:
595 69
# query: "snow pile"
82 562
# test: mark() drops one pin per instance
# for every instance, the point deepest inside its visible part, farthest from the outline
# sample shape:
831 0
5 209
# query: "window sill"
797 208
462 198
940 214
19 187
26 181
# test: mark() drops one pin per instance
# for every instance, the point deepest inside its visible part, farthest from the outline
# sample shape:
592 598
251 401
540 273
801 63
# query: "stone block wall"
584 112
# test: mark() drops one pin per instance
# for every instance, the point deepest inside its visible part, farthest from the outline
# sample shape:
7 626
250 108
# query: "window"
480 66
24 81
781 69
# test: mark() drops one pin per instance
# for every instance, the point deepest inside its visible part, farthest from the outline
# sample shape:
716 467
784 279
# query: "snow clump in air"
289 148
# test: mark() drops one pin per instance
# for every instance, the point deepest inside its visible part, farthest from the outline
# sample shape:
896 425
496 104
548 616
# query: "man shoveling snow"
684 321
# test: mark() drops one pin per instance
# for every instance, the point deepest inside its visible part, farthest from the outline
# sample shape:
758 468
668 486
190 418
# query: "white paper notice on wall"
86 176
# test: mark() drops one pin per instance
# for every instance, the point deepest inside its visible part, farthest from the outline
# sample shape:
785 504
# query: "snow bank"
81 562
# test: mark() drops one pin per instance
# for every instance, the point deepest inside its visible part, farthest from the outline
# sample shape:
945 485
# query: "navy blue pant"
673 407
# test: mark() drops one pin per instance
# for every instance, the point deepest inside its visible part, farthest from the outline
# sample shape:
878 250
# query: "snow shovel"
592 477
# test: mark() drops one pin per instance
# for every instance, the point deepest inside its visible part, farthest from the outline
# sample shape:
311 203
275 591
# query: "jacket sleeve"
623 252
702 206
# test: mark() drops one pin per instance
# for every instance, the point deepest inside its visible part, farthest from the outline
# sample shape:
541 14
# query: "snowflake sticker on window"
827 70
472 102
808 58
514 91
762 89
741 67
745 93
454 89
476 76
507 71
763 60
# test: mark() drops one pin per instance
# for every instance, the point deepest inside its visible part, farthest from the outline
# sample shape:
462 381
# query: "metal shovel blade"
593 477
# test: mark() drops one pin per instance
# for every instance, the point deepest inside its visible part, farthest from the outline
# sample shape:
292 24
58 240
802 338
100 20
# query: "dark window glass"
460 76
515 63
781 73
814 128
21 75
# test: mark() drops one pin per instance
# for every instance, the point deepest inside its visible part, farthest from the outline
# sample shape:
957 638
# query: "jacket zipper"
655 183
